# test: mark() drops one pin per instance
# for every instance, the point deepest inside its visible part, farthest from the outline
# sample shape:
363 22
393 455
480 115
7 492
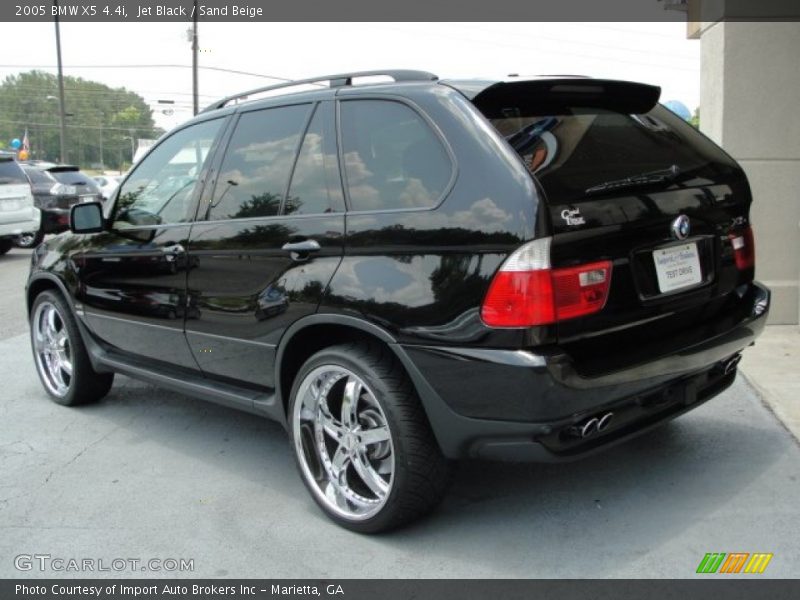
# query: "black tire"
29 240
421 473
85 385
6 245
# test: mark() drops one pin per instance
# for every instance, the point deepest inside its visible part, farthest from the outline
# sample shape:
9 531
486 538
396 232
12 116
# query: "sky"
154 59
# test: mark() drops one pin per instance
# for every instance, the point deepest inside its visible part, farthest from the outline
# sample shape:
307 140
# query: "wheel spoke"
51 324
376 435
329 423
352 391
66 366
370 476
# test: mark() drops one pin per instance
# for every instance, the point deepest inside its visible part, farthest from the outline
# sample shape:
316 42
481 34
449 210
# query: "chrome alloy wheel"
52 349
343 443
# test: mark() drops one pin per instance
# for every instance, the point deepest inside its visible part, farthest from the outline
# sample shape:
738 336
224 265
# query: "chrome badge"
681 228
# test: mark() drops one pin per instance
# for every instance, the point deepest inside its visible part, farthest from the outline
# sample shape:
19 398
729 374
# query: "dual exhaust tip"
591 426
600 423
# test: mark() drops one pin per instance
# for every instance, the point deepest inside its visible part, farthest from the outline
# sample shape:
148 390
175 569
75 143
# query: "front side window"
392 157
161 187
255 171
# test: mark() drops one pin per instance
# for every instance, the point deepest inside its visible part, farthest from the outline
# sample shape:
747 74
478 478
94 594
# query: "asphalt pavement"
148 474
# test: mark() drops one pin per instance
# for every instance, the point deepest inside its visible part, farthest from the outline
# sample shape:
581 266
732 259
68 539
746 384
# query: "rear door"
628 181
268 241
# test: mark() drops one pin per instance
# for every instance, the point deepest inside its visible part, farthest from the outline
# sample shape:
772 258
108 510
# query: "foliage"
100 120
695 120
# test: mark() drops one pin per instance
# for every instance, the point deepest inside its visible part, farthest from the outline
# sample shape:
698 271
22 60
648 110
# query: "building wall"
750 104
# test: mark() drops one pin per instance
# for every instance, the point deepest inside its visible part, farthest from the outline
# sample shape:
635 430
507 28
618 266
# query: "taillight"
526 291
744 248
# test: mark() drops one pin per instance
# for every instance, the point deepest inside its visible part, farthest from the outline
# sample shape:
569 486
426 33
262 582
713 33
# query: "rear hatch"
627 181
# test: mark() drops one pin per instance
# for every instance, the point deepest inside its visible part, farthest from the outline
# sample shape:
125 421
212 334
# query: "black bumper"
516 405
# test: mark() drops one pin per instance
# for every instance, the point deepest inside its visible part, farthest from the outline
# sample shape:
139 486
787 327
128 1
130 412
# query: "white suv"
17 212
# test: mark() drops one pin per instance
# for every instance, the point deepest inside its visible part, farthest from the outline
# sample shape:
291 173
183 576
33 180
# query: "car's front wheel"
361 439
59 353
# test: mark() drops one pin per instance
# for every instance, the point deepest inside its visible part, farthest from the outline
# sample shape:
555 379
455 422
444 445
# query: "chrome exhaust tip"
605 421
590 427
731 364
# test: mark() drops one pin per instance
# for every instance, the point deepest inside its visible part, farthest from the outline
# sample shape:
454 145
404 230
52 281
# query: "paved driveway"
152 474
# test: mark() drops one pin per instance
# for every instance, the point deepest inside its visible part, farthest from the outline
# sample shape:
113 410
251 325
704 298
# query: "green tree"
695 120
100 122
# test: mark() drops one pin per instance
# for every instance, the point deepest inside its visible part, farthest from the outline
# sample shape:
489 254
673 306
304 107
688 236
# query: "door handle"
303 247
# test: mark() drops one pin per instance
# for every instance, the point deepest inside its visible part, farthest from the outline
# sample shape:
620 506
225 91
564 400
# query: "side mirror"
86 217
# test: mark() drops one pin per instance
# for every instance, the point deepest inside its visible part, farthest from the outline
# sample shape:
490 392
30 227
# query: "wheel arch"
313 333
43 282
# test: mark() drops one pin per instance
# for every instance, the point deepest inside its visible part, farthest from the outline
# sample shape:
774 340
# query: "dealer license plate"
677 267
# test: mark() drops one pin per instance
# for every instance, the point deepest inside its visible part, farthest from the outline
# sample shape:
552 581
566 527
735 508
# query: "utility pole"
195 47
62 112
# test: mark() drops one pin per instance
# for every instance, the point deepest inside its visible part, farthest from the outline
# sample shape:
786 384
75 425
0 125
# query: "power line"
165 66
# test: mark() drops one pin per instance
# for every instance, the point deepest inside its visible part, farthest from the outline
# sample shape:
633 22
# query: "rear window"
573 150
38 176
10 172
75 178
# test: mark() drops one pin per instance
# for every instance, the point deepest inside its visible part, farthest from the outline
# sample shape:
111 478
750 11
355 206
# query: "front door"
133 277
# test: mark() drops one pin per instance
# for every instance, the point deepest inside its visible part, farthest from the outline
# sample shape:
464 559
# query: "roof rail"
340 80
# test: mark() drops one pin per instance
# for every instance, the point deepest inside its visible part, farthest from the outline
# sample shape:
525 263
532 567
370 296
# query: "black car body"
55 189
544 267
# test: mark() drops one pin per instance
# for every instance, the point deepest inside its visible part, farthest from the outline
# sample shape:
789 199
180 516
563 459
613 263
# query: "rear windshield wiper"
660 176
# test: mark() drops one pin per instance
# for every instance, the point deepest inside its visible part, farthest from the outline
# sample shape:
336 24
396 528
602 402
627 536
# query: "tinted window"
10 172
76 178
159 190
575 149
392 158
38 176
308 192
255 171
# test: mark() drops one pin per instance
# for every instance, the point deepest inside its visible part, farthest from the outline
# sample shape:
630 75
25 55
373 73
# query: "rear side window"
576 149
255 171
392 158
10 172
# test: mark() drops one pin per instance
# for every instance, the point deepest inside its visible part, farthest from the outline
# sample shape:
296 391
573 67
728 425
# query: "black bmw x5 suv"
413 271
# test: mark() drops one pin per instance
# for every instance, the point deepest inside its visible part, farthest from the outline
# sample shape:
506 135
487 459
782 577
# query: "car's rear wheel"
361 439
30 239
60 355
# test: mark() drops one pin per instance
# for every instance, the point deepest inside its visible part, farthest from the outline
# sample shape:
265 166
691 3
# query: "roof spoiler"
543 96
62 168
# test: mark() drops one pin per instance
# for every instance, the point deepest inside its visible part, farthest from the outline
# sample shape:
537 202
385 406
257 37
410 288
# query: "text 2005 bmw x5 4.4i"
408 272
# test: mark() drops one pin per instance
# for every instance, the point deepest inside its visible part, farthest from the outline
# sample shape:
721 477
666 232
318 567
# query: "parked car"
415 271
55 189
107 184
17 211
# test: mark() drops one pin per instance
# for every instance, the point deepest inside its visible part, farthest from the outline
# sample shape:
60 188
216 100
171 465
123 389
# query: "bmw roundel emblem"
681 227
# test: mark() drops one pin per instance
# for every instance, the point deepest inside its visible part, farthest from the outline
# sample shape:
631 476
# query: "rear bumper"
510 405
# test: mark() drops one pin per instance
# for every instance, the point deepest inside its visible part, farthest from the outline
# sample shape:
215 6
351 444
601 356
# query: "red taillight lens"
519 299
744 248
526 292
